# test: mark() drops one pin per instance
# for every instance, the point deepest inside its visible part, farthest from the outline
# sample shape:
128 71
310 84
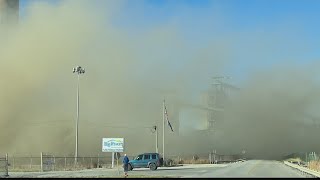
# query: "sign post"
112 164
118 156
113 145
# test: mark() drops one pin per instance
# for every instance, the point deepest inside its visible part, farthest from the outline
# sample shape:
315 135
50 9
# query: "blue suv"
146 160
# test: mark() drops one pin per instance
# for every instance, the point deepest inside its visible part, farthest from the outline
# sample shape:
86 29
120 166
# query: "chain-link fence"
312 161
24 163
47 162
312 156
210 158
215 158
4 166
172 160
68 163
51 162
302 157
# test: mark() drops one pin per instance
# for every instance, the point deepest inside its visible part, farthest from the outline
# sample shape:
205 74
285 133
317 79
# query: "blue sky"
264 33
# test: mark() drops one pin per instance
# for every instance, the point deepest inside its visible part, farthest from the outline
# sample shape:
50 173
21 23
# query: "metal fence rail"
215 158
50 162
187 159
22 163
47 162
210 158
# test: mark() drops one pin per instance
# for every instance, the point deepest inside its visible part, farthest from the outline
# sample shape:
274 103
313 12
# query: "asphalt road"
252 168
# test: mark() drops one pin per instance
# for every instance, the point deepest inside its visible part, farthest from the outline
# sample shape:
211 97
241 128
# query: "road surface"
251 168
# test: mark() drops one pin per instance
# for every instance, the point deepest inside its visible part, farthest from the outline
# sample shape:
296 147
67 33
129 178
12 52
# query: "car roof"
148 153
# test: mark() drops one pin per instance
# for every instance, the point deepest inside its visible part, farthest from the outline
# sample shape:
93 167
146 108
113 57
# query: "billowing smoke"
121 92
128 73
275 113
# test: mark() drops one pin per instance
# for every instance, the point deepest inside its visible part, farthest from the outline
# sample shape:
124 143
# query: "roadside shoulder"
302 169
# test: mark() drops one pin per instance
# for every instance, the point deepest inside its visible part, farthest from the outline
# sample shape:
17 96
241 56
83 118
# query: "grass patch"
314 165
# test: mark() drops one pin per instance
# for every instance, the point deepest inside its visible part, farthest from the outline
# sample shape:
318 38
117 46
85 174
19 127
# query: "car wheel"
130 167
153 167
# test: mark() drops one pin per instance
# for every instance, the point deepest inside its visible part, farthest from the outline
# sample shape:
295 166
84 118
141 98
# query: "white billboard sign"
112 144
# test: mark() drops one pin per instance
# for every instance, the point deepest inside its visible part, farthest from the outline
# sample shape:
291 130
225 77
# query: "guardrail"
303 169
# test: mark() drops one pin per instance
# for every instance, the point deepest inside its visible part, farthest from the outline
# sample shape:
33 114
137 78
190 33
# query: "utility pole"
163 130
215 100
79 71
156 131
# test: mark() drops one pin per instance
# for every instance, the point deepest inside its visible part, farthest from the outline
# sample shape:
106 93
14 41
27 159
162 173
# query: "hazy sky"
286 31
135 52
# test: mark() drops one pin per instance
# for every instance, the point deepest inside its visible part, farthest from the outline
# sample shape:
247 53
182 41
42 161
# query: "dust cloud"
275 113
128 73
121 93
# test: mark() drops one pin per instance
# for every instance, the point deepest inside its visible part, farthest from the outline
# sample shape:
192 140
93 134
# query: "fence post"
7 164
98 165
13 162
212 157
306 157
112 160
91 161
41 162
30 161
65 163
54 163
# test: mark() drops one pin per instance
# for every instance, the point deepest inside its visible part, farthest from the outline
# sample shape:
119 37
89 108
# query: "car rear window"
154 156
147 156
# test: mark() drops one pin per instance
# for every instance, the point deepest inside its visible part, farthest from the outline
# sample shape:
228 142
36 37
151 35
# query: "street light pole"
156 131
79 71
163 130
